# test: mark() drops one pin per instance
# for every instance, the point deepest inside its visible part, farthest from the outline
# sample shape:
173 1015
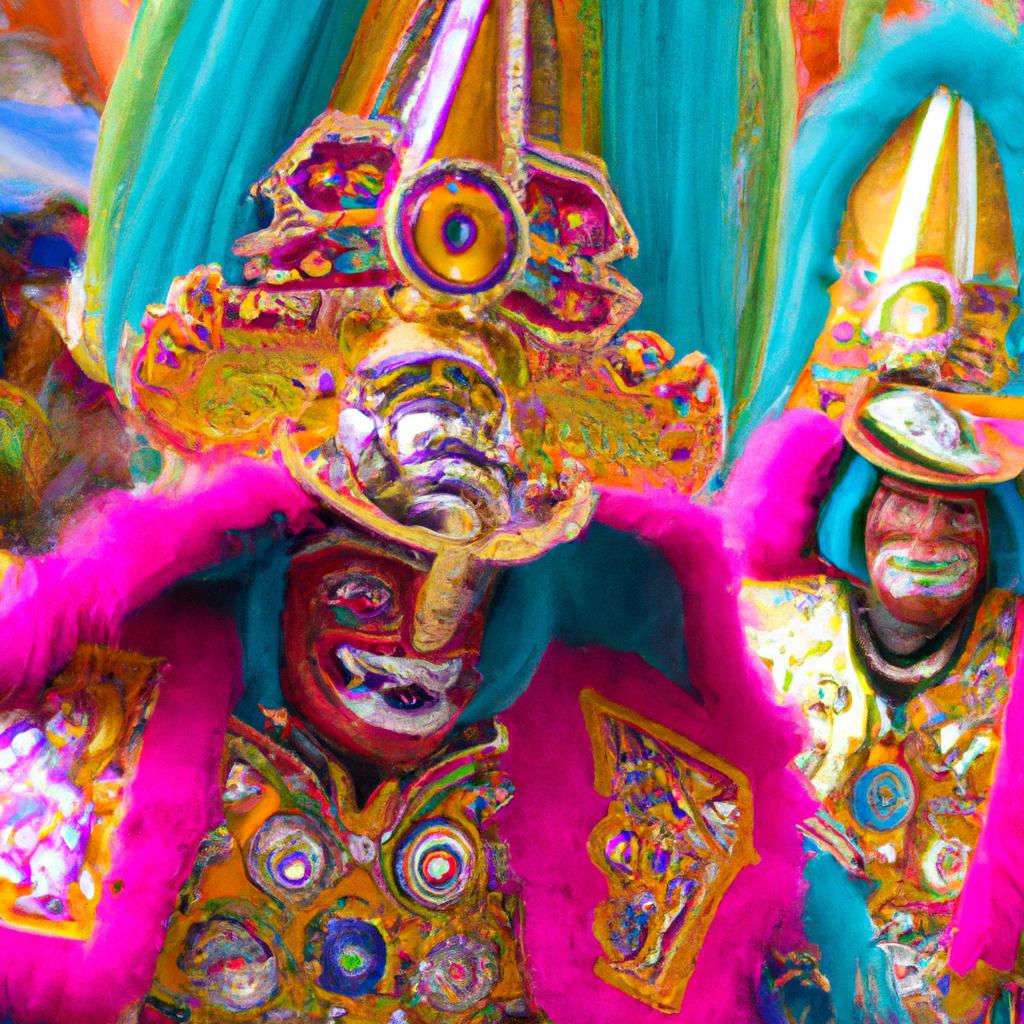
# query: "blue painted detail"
354 957
1005 509
252 588
45 152
844 375
837 922
607 588
883 797
843 516
52 252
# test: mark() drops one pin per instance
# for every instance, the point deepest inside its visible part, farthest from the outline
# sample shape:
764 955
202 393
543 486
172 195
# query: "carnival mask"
927 550
350 666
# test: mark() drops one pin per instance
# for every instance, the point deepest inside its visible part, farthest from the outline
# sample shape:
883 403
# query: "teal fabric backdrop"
671 101
244 77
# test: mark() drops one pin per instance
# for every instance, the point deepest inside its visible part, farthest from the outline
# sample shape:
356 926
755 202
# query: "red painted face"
927 550
350 667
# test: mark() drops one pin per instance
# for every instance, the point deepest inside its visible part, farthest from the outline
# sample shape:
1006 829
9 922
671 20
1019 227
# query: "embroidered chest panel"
679 828
304 907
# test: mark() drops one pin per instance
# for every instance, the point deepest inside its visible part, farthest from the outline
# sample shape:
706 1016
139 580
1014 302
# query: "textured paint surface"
44 150
774 527
532 605
121 552
737 219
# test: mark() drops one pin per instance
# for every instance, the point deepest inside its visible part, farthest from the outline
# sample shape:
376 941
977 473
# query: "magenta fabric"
556 807
770 503
120 551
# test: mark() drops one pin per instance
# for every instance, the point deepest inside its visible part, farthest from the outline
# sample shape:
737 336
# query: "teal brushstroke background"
837 922
243 79
671 101
964 46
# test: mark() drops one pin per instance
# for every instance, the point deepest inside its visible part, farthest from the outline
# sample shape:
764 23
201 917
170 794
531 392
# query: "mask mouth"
410 696
947 571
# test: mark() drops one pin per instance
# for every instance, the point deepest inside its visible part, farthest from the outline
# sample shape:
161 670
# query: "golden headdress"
436 223
927 262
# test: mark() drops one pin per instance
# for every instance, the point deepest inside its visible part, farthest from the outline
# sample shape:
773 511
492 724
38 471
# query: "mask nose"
931 525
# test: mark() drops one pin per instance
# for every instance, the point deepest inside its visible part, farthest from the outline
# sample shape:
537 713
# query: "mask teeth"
435 679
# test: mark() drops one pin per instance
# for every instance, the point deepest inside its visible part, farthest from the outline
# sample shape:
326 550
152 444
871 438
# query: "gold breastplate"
66 766
304 907
902 790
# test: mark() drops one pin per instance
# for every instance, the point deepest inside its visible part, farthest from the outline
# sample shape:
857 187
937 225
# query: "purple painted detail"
620 850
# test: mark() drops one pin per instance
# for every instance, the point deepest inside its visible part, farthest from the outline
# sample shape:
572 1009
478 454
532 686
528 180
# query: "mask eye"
435 863
457 230
964 518
358 598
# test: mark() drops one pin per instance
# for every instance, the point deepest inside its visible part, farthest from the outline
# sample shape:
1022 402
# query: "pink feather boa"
119 552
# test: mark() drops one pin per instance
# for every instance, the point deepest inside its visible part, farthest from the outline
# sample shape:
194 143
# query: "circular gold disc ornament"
457 233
